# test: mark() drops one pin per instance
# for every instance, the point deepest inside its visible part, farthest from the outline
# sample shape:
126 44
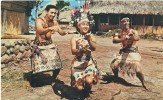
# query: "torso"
46 36
128 42
81 43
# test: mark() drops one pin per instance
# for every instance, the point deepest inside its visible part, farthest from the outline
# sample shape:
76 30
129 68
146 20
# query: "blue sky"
73 4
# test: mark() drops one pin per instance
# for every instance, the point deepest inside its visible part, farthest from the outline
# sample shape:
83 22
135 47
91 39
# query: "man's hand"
71 32
86 50
54 28
88 36
131 34
68 32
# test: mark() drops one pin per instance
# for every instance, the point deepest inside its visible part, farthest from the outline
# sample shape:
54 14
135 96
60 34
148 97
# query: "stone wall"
14 50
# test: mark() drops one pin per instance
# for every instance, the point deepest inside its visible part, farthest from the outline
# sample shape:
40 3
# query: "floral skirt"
45 58
82 69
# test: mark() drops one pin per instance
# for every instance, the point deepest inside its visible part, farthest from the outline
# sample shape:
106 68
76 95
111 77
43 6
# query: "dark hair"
48 7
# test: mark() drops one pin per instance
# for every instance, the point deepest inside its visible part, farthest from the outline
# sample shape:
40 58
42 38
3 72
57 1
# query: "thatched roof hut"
64 13
41 11
65 16
128 7
146 16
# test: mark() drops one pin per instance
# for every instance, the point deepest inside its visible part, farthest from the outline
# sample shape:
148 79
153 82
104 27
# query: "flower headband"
76 20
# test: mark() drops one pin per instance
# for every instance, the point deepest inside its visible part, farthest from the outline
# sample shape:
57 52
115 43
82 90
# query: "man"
45 55
46 26
129 59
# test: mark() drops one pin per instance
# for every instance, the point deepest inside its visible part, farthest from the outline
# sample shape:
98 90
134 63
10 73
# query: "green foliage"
38 2
109 33
61 4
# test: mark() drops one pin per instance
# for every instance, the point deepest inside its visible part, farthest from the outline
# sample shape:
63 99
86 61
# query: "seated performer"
84 72
45 53
129 59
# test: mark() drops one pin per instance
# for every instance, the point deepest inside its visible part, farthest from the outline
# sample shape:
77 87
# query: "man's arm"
39 28
135 35
117 39
60 31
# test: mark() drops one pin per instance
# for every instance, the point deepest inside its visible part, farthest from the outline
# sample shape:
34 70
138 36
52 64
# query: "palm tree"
38 2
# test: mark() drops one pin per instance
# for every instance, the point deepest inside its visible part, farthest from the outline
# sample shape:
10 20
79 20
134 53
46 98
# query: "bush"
109 33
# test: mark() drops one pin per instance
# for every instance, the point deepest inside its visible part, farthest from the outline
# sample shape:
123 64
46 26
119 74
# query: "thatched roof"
127 7
65 16
41 11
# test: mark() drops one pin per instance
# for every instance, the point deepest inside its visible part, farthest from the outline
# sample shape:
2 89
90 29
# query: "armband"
94 42
116 34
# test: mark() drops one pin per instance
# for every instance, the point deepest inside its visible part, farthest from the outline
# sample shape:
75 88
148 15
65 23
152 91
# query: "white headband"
83 20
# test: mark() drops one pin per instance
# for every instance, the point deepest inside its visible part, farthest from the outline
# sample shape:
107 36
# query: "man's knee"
138 68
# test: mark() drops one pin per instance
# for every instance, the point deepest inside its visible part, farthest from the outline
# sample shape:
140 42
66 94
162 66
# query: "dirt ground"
16 83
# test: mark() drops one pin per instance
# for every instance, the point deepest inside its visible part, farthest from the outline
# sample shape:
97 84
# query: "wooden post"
119 20
131 21
152 23
143 22
108 19
4 21
23 23
98 23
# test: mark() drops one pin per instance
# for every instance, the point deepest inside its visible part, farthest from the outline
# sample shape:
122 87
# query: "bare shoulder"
73 38
134 31
39 20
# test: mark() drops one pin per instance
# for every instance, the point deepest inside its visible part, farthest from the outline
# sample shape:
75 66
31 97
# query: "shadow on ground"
59 87
110 78
68 92
41 79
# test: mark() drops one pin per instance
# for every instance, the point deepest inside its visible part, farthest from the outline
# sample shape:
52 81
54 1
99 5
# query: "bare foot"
145 85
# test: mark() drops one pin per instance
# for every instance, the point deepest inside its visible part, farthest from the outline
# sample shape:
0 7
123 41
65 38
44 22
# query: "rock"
19 42
27 54
3 65
27 48
19 56
160 39
8 51
12 43
11 50
25 42
5 58
2 43
7 44
15 42
13 57
22 49
29 42
17 47
3 50
16 52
